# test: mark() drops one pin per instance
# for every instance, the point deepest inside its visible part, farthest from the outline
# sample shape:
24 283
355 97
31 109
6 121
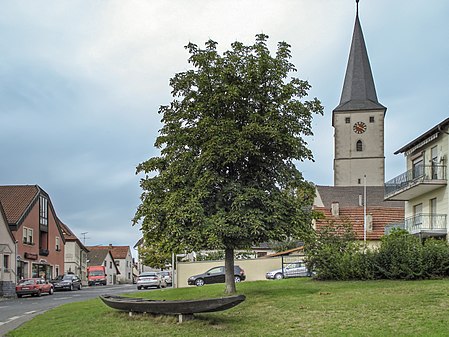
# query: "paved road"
16 311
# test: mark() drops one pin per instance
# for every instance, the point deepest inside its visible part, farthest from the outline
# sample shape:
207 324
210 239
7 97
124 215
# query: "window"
105 263
58 248
433 212
6 263
371 119
417 214
359 146
117 263
27 235
110 264
348 120
434 161
418 167
43 211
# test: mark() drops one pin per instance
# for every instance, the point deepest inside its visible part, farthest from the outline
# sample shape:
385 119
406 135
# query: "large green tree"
226 176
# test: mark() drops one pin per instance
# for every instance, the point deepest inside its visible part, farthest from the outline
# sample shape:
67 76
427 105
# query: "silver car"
166 276
149 279
295 269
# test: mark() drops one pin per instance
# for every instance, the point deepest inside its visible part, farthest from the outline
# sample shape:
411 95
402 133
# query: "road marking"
61 298
13 318
1 323
30 312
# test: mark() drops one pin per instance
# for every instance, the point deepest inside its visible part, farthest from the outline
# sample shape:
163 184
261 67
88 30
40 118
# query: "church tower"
358 122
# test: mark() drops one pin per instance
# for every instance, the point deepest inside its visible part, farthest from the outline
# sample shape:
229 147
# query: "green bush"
400 256
334 254
436 257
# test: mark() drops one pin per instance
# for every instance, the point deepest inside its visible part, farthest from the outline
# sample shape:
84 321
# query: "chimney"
335 208
369 222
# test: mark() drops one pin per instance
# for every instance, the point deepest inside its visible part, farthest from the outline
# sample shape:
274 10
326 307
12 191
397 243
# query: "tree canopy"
226 175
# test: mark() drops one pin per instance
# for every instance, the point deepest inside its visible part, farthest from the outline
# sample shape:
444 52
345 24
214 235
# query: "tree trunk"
229 271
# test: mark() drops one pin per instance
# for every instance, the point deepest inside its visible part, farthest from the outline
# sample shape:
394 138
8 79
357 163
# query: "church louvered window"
359 146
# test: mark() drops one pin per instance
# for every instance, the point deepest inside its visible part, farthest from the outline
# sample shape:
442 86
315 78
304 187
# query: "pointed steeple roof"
359 92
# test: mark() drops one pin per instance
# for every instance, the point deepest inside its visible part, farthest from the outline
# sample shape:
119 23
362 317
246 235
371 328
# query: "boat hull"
178 307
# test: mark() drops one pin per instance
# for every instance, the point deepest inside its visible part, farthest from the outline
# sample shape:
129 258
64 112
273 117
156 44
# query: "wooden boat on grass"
178 307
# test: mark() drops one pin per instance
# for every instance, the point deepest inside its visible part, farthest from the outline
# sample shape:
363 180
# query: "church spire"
359 92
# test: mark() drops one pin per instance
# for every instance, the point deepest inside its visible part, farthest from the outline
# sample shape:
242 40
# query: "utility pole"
364 210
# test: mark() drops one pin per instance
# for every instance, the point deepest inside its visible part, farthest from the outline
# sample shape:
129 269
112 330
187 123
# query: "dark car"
33 287
216 275
67 282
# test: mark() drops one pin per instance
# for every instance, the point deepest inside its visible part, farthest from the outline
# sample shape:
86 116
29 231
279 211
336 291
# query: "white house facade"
423 186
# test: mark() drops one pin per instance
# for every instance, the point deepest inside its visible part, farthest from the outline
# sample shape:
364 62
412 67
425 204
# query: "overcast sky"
81 83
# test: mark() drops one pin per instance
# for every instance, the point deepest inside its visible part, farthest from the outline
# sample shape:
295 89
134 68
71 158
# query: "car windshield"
148 275
26 282
96 273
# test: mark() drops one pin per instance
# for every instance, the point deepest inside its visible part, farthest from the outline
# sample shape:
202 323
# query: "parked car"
150 279
216 275
166 276
295 269
33 287
67 282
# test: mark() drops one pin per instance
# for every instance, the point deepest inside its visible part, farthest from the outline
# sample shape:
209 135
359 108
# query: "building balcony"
427 224
422 224
415 182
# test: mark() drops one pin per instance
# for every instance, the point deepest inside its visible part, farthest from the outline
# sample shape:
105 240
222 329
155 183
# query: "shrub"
400 256
334 254
436 258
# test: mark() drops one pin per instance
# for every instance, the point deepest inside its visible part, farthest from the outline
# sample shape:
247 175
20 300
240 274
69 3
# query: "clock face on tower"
359 127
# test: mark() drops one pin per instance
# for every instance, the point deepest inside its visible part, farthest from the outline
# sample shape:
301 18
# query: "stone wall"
7 289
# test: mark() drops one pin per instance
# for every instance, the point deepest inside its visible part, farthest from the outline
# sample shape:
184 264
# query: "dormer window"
43 210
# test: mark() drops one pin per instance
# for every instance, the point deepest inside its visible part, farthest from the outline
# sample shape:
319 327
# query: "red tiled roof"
16 199
381 216
117 252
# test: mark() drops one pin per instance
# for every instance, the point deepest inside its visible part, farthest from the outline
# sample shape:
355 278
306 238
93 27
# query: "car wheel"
19 296
278 276
79 287
38 293
138 288
50 292
237 279
71 287
199 282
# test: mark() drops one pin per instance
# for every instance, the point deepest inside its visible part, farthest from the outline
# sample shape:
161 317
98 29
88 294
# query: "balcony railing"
427 223
418 175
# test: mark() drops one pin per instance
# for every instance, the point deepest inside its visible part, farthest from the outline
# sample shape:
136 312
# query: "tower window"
348 120
359 146
371 119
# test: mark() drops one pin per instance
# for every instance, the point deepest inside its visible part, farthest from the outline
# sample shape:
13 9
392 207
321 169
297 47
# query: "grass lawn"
295 307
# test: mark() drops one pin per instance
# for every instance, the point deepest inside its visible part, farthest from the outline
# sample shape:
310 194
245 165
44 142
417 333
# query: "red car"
34 287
